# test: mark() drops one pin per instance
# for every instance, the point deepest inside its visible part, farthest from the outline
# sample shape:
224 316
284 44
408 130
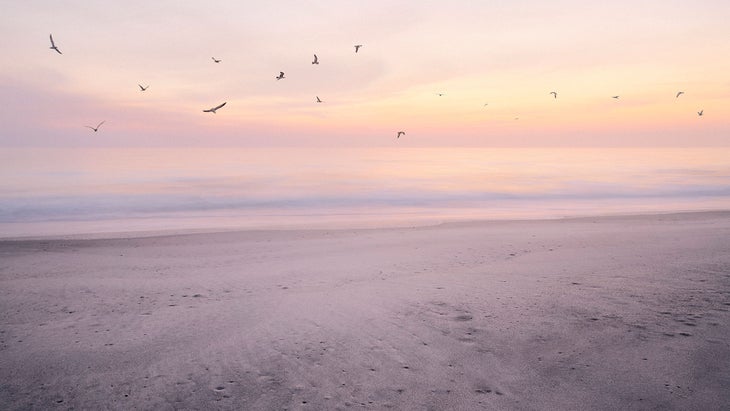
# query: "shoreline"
108 235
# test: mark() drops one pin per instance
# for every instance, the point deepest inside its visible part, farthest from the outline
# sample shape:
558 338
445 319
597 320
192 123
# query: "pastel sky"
508 55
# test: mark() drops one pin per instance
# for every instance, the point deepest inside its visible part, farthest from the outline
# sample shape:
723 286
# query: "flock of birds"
318 100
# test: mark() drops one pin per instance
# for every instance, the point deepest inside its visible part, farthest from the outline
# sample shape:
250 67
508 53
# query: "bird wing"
219 106
90 127
53 45
100 124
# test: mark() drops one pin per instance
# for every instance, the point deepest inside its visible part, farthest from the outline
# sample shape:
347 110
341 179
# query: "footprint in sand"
487 390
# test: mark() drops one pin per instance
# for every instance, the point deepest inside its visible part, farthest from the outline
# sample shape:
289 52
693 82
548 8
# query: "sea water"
58 191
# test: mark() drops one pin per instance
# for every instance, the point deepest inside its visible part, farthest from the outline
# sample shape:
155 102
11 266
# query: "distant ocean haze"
79 190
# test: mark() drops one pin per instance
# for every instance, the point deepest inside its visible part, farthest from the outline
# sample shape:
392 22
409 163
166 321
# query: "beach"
606 313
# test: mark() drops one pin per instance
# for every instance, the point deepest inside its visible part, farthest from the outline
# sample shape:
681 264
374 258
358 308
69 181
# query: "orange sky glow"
494 64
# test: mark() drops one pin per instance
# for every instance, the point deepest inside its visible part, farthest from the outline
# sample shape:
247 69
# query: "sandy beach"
604 313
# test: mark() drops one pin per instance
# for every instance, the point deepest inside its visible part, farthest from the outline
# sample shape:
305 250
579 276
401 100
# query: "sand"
627 313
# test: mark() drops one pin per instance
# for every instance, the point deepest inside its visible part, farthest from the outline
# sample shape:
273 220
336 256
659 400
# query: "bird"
215 60
318 100
441 94
97 127
679 93
280 76
614 96
699 113
53 45
357 47
213 110
486 104
143 88
400 133
316 60
554 93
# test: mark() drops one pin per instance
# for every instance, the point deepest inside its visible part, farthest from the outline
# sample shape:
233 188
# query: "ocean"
63 191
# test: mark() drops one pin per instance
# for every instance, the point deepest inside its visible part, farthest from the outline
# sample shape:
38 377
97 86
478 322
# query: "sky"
494 62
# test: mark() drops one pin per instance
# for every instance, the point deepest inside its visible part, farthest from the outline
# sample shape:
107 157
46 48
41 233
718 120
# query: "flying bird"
280 76
400 133
554 93
53 45
357 47
614 96
441 94
213 110
97 127
143 88
486 104
318 100
215 60
316 60
699 113
679 94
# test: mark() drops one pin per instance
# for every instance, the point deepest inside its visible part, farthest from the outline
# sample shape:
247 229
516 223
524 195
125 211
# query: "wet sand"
628 312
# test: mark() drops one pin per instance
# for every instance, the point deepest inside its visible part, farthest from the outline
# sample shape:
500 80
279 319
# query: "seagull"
213 110
53 45
554 93
679 94
97 127
142 88
215 60
316 60
699 113
318 100
486 104
400 133
280 76
614 96
441 94
357 47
